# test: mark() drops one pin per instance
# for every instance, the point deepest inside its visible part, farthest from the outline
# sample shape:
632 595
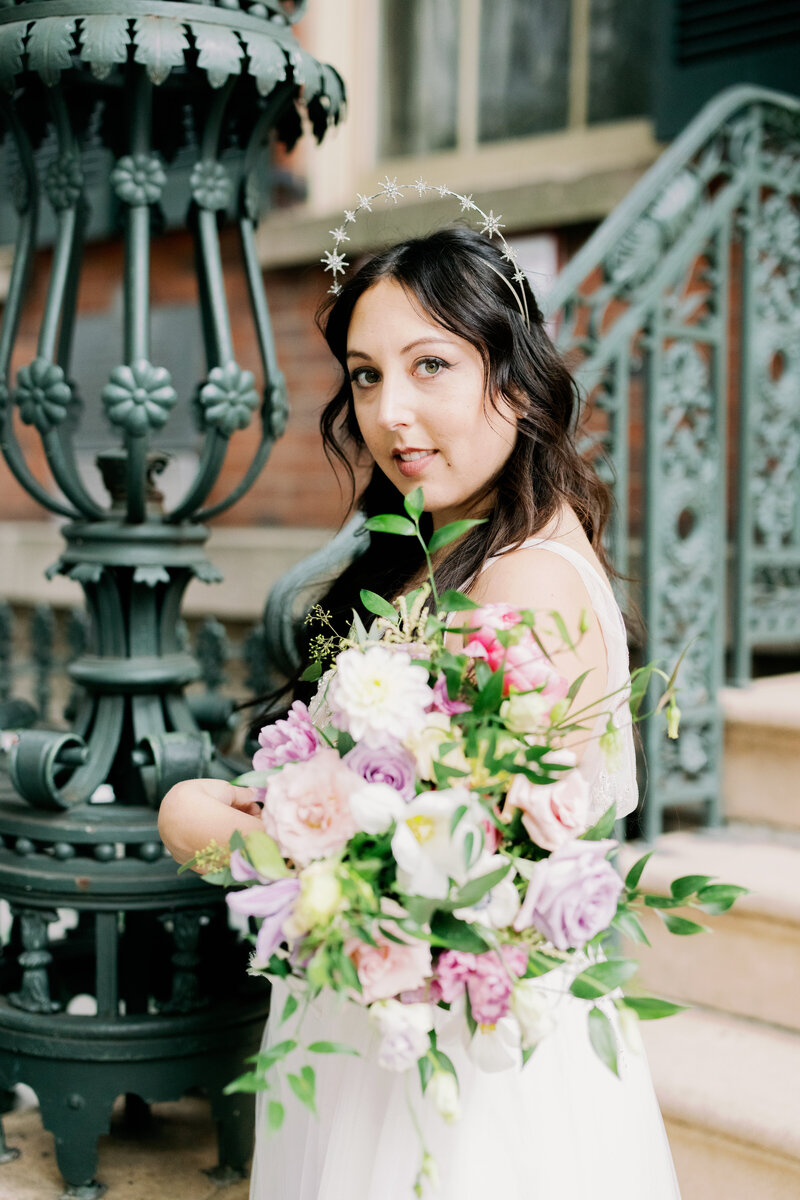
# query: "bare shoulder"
532 577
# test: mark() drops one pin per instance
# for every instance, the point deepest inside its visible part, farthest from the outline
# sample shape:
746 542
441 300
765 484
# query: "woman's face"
418 392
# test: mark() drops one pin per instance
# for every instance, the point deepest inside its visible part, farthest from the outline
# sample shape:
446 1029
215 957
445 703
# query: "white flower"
376 806
443 1091
496 1047
425 740
533 1008
526 712
378 691
404 1032
498 907
319 900
427 854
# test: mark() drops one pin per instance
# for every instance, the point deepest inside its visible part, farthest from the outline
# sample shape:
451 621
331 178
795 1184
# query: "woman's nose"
395 407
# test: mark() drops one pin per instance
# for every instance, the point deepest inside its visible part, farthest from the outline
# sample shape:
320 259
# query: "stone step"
761 763
730 1097
750 964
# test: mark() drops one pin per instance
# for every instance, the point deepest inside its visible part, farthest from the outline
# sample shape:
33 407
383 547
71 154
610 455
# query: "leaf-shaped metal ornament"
50 47
220 54
151 575
104 42
160 45
266 60
12 38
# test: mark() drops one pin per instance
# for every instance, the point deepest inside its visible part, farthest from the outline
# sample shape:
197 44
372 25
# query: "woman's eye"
364 376
431 366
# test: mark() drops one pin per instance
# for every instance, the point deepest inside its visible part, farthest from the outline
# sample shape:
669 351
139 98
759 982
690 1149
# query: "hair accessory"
391 191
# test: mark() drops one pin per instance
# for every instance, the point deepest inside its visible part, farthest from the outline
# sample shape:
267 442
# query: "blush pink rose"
554 813
387 969
526 667
307 807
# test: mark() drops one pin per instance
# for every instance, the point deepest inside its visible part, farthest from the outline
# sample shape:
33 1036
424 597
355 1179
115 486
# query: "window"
419 111
523 68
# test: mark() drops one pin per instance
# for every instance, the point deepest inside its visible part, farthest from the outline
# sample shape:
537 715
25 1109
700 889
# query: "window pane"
524 67
419 109
620 58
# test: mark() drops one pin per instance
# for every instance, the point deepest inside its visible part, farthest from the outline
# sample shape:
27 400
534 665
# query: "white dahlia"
378 691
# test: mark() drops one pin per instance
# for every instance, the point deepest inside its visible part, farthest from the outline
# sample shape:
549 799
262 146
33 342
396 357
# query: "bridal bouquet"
427 850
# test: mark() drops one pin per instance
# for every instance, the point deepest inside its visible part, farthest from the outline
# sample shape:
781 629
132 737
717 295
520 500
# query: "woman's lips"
415 465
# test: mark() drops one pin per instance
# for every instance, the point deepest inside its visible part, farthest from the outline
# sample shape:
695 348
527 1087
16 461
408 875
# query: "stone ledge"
772 702
252 559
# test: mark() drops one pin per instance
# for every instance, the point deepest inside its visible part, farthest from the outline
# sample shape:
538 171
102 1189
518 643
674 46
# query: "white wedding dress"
562 1128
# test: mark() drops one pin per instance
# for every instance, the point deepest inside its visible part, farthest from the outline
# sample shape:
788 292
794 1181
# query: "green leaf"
652 1008
457 817
526 1054
575 686
540 963
425 1068
604 827
275 1115
663 902
476 889
304 1087
563 632
635 873
312 673
640 682
444 1063
457 935
469 845
332 1048
236 841
265 856
449 533
453 601
489 696
472 1024
245 1083
344 743
718 897
267 1058
414 503
377 605
680 925
258 779
630 925
603 977
348 973
601 1035
289 1008
687 885
391 523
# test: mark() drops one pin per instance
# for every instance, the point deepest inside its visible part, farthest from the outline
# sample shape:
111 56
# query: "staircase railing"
681 319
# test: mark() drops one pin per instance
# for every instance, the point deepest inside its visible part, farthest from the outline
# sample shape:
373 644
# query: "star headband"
391 191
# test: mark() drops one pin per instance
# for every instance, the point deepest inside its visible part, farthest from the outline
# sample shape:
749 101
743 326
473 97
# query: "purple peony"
572 894
292 740
384 760
272 903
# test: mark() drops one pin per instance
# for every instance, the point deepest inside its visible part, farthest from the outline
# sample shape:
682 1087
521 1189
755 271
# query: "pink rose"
526 666
554 812
387 969
307 807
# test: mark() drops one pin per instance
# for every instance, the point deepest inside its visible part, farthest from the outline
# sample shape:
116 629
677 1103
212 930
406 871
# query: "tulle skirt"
561 1128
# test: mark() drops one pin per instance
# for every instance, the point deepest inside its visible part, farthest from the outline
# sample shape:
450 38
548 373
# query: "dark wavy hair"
461 280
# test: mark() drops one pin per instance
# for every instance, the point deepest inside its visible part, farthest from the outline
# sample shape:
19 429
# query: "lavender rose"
572 895
292 740
384 760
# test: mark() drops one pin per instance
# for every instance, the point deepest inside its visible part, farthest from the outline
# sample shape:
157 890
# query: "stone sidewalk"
166 1161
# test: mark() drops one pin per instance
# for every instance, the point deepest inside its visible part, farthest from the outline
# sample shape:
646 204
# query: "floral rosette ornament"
429 852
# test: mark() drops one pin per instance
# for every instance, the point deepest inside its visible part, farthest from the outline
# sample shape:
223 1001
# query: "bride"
452 384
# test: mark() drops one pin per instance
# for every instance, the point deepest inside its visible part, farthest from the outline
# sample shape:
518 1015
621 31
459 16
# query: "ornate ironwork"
646 307
146 81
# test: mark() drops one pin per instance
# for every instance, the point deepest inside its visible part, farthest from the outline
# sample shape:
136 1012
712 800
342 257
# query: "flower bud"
443 1090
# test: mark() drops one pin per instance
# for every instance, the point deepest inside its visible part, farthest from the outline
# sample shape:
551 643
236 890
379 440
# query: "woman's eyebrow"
424 341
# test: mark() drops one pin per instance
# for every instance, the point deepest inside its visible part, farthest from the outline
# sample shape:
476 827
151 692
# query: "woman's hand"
197 811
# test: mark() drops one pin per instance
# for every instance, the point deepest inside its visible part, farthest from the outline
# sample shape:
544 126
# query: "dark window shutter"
704 46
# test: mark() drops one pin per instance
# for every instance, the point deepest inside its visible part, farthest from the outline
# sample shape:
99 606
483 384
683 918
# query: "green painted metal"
648 305
78 815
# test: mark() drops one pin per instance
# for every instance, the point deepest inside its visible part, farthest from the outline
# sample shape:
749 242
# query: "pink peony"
487 978
292 740
387 969
526 666
307 807
554 812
